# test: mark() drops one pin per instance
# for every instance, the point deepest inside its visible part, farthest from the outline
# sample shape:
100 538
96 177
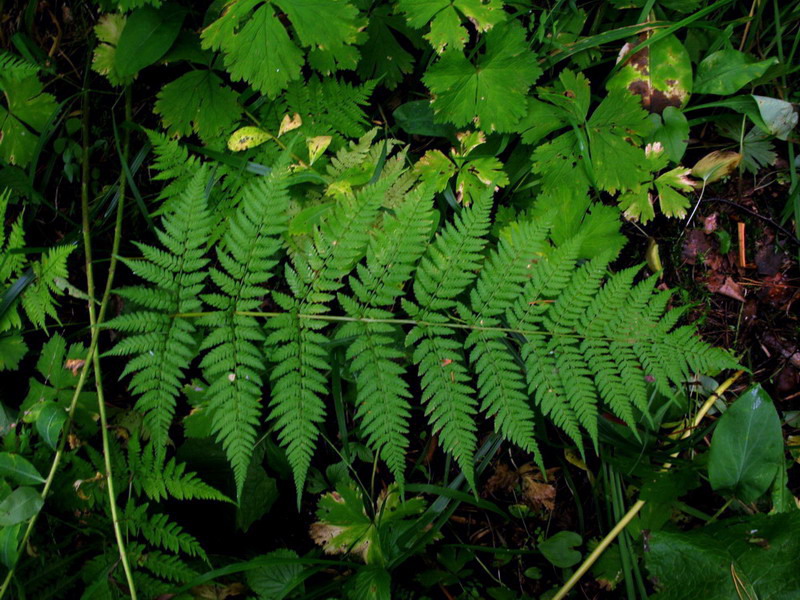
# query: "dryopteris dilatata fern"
164 345
512 328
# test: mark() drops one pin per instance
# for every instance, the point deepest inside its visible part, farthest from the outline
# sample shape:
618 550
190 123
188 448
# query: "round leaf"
559 549
747 447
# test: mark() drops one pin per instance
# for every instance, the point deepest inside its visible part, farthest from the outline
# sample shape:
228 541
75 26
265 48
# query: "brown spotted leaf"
660 73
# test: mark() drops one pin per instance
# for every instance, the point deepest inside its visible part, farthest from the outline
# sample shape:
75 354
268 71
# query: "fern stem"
410 322
634 510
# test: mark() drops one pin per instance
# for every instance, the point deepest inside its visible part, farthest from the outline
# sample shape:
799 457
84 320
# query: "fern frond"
445 271
159 531
14 68
299 383
501 383
38 299
343 117
174 164
165 345
376 361
233 360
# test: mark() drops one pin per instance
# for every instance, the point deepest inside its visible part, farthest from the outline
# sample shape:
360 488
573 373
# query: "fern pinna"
514 327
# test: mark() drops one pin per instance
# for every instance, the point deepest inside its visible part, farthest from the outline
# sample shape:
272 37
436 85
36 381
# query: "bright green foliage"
161 480
312 100
588 343
446 270
42 282
234 361
258 49
108 30
445 19
490 92
199 102
594 151
299 383
163 346
162 533
501 383
669 189
345 527
26 111
382 392
172 163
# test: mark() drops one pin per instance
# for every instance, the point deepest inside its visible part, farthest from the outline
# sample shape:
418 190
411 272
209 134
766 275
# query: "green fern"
15 68
233 361
514 329
299 383
382 392
164 345
446 270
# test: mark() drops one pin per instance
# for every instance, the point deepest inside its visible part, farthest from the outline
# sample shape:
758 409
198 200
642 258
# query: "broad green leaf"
436 169
258 49
18 469
108 30
21 505
747 447
660 73
383 56
559 549
276 581
672 132
370 583
779 116
12 349
490 92
746 557
9 544
727 71
50 422
417 118
258 495
445 17
476 174
199 102
146 37
248 137
671 186
25 115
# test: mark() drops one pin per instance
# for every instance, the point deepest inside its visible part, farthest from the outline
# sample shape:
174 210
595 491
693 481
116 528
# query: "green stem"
91 354
96 319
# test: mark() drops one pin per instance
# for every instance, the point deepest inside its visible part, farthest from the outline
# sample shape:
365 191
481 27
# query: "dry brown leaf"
74 365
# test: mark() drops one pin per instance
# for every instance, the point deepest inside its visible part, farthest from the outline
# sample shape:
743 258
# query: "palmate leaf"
199 102
601 150
490 92
445 18
257 47
25 115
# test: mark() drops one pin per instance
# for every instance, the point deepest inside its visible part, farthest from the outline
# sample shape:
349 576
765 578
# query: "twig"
753 213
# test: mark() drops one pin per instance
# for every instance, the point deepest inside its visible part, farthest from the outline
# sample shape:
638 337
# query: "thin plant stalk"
95 320
91 353
634 510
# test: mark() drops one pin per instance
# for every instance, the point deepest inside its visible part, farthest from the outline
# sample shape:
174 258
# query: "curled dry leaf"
716 165
74 365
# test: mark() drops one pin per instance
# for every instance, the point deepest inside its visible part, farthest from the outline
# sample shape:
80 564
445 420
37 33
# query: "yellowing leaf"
316 146
435 168
289 123
716 165
247 137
